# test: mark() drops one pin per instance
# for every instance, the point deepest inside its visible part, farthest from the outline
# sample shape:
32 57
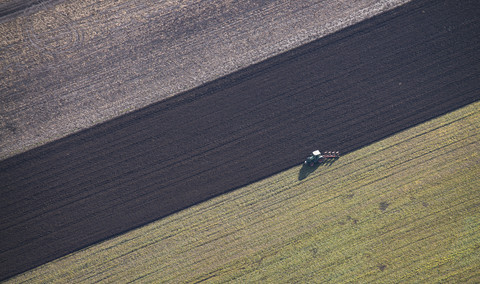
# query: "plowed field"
339 93
403 209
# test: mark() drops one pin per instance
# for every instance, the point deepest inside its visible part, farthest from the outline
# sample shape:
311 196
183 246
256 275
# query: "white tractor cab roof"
316 153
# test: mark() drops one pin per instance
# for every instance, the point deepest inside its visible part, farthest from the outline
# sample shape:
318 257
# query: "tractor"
318 158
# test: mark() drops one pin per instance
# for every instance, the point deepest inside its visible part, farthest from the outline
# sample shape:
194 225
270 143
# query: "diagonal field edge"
140 167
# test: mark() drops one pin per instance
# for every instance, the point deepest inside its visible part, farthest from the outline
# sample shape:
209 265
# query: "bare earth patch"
68 65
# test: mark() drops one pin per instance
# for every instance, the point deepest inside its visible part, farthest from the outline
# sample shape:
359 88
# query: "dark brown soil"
339 93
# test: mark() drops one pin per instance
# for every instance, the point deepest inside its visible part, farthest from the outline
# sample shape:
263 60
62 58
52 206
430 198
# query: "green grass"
405 209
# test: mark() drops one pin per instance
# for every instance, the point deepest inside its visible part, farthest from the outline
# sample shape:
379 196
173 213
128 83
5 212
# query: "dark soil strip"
10 7
340 93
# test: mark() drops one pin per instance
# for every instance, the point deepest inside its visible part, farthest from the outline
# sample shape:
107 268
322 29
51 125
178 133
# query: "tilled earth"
67 65
338 93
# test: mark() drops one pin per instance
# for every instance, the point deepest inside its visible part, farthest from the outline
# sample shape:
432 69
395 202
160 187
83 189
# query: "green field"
405 209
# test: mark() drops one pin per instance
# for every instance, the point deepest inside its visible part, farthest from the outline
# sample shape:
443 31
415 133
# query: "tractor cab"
314 158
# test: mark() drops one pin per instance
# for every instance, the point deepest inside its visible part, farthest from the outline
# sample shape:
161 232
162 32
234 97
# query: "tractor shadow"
306 170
